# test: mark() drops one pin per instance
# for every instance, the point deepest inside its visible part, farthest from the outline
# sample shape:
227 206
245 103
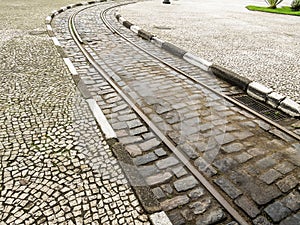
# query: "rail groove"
80 43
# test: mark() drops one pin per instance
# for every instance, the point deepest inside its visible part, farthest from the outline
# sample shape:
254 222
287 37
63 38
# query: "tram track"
170 144
80 43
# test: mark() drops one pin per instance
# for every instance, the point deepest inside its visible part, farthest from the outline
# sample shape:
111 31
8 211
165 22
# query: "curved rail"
230 99
80 43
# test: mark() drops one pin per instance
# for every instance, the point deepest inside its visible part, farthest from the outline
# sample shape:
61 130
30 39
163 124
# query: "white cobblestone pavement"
260 46
55 166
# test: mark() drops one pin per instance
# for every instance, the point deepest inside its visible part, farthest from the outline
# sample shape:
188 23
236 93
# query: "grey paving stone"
148 170
266 162
248 206
228 187
179 171
138 130
159 178
270 176
152 143
261 220
158 192
255 188
243 157
287 183
226 138
211 218
292 201
199 207
187 214
185 183
225 164
277 211
285 167
205 167
292 220
196 193
144 159
160 152
174 202
256 151
167 162
176 218
133 150
189 151
234 147
134 123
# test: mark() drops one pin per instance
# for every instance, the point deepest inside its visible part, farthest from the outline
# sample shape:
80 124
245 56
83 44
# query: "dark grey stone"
225 164
260 192
248 206
228 187
204 167
277 211
185 183
270 176
144 159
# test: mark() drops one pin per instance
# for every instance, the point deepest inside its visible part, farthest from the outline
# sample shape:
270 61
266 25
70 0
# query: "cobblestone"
277 211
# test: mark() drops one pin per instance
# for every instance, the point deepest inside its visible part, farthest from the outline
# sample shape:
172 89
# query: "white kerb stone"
274 99
290 107
258 91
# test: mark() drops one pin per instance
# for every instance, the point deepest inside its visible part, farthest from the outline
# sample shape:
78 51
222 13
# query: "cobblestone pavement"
253 164
55 166
260 46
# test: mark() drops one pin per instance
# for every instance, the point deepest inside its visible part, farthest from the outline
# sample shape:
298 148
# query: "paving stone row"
169 179
258 171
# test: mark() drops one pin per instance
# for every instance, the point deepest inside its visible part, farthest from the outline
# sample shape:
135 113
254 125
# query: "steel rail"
228 98
233 212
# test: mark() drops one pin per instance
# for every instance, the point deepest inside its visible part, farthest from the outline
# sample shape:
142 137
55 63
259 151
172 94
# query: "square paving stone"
277 211
185 183
228 187
270 176
287 183
248 206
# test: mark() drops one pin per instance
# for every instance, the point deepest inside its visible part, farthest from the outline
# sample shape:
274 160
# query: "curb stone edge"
253 88
152 206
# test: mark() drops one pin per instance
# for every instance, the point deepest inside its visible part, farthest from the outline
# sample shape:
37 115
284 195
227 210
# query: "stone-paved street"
253 164
55 166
